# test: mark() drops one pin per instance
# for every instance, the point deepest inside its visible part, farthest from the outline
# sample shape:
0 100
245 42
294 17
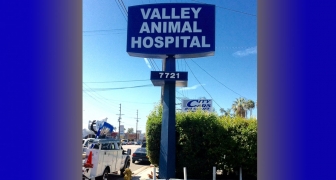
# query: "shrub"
242 146
197 144
202 139
153 135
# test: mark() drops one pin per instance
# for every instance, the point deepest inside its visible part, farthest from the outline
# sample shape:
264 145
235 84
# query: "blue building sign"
186 30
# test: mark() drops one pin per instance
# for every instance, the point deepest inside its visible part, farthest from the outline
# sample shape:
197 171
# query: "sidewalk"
142 173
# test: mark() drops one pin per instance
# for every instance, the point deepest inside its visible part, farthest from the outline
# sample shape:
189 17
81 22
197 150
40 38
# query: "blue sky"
112 77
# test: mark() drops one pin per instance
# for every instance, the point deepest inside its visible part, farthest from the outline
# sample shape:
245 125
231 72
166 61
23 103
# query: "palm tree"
228 112
239 107
222 110
250 106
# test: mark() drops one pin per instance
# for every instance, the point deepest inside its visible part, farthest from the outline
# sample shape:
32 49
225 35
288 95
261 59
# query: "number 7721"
169 75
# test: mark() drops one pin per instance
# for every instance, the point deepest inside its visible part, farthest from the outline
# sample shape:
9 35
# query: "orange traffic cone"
88 163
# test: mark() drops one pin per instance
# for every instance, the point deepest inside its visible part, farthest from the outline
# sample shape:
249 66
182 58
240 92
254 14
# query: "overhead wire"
181 67
236 11
202 85
96 97
118 81
108 89
108 102
150 62
217 80
103 32
124 11
123 5
121 10
155 63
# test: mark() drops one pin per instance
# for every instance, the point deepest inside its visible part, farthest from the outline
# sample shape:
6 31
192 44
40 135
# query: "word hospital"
178 28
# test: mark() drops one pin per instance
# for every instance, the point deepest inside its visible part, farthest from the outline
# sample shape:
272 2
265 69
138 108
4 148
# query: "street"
133 166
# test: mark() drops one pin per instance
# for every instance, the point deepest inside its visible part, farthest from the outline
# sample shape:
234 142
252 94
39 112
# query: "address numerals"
170 75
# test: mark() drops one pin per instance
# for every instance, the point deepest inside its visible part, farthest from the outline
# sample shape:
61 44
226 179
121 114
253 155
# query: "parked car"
124 141
140 155
130 143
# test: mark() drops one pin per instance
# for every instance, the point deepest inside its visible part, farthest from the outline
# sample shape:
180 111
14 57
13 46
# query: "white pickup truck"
107 157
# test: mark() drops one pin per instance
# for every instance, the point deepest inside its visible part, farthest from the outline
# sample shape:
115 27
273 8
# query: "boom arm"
101 129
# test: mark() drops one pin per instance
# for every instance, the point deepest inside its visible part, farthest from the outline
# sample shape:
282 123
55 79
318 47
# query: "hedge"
202 140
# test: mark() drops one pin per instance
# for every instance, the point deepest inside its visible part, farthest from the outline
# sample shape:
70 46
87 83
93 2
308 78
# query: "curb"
136 172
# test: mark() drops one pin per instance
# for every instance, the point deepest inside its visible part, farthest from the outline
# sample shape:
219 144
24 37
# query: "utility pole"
119 119
136 130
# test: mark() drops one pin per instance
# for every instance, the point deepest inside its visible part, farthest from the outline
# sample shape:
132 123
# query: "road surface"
133 166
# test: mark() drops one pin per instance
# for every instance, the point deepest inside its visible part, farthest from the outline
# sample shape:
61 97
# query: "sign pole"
167 146
163 69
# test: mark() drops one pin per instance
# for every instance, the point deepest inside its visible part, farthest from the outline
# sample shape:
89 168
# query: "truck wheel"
122 172
133 161
127 165
105 174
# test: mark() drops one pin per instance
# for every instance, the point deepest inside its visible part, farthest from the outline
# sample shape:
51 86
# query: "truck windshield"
94 146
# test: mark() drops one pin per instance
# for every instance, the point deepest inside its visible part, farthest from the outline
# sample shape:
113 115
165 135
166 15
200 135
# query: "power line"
103 98
131 102
96 95
101 104
102 30
241 12
123 5
154 63
109 89
217 80
181 94
118 81
121 11
202 85
151 63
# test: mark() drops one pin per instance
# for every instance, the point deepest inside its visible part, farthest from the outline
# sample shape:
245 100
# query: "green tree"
130 130
222 111
250 105
228 112
239 107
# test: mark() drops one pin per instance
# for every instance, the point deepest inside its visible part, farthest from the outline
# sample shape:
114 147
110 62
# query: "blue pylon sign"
169 31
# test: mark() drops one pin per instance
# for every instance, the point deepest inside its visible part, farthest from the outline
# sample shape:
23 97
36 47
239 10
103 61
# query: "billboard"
186 30
131 136
194 104
121 130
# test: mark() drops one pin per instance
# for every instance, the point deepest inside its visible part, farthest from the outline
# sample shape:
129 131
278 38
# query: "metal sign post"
168 79
167 146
